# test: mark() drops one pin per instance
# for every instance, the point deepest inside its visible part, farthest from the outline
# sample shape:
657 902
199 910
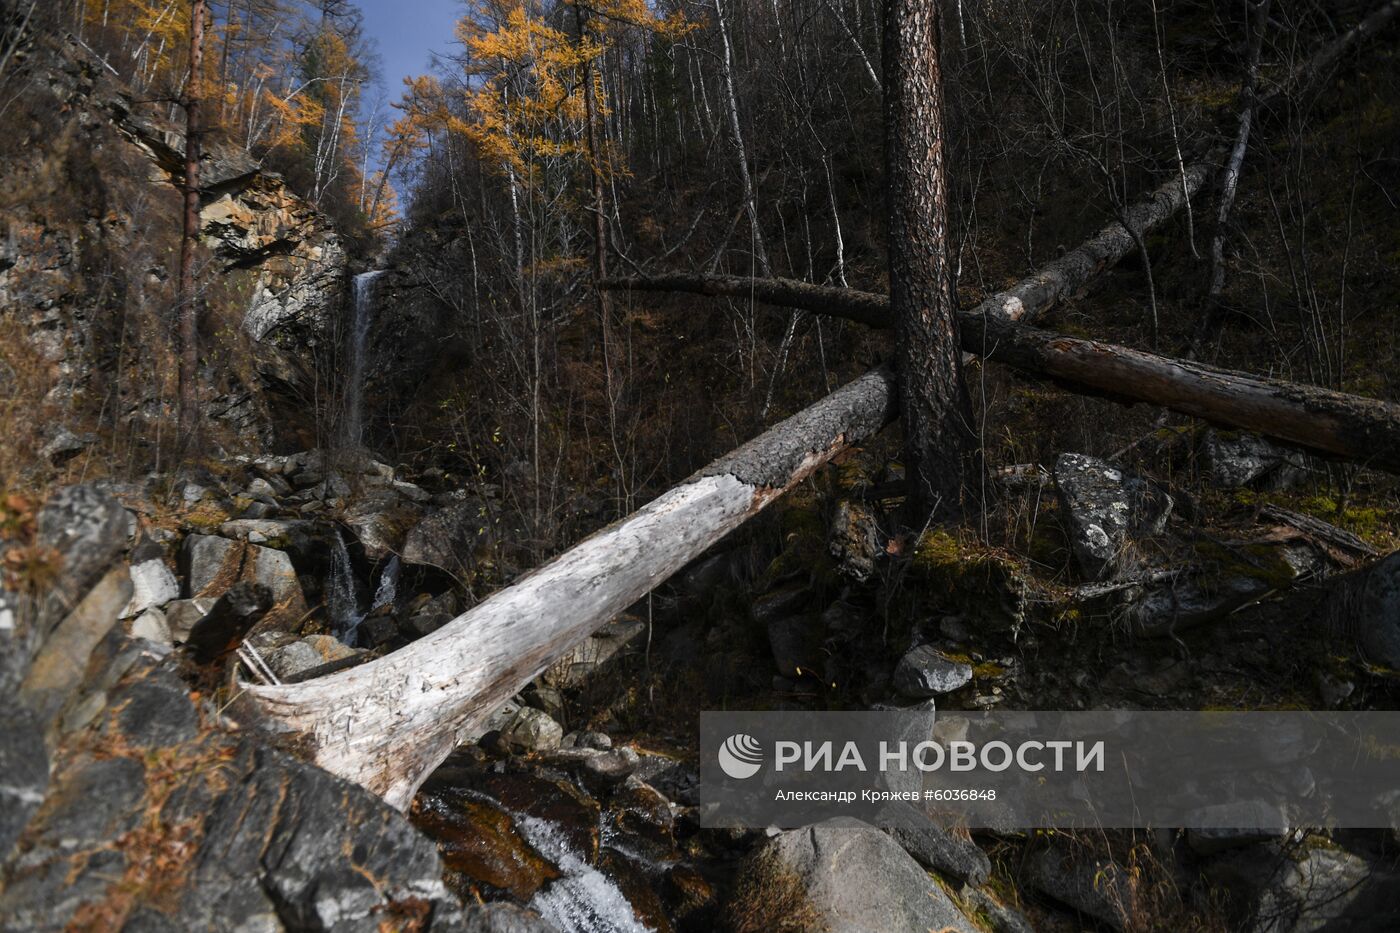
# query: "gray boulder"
381 519
952 856
1271 889
1105 510
841 876
64 445
1229 577
1375 618
152 626
182 614
532 730
213 564
925 671
1233 459
153 585
448 538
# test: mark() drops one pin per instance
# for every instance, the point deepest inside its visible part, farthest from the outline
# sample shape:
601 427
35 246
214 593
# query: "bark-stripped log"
1060 278
1329 422
387 724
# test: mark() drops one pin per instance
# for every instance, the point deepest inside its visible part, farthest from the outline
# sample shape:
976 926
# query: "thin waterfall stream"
354 385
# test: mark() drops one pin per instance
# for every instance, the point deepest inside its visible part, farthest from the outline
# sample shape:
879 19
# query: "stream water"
584 900
343 594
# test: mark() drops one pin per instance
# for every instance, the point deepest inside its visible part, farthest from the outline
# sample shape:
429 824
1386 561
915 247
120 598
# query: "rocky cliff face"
90 223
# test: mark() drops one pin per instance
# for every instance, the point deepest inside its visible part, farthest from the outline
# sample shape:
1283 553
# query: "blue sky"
407 33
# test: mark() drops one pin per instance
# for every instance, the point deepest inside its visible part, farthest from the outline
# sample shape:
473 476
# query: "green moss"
1256 560
968 578
206 517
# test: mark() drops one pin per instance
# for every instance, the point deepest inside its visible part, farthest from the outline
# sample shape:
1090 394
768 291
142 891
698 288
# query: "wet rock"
556 802
797 644
1105 510
497 917
642 817
841 876
377 630
153 585
1233 459
531 730
1095 887
925 671
633 879
596 740
854 540
480 840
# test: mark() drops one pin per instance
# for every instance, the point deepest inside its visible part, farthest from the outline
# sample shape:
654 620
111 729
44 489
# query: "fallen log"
1328 422
387 724
1027 299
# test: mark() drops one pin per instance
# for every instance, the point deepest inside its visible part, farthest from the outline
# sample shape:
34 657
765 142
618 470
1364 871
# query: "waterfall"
363 293
342 593
388 589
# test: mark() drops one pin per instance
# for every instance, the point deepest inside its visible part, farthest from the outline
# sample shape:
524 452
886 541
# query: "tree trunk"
1230 178
939 441
387 724
188 302
741 152
1322 420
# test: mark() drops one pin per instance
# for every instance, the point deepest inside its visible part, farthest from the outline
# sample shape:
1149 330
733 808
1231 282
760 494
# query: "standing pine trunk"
940 444
188 305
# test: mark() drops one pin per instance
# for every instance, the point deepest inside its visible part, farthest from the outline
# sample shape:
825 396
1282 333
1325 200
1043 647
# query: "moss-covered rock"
973 581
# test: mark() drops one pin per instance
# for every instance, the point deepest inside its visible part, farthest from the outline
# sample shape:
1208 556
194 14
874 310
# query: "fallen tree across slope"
1325 421
388 724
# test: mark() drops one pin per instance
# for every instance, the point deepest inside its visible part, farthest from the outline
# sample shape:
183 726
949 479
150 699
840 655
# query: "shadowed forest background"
411 390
